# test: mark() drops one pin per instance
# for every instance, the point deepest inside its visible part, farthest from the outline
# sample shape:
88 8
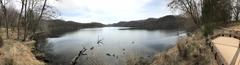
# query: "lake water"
117 48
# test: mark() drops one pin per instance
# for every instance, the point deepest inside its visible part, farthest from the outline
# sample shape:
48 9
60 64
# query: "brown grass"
191 50
188 51
15 52
136 60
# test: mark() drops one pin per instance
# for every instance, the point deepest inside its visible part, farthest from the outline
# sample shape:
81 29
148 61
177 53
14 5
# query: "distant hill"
168 22
58 27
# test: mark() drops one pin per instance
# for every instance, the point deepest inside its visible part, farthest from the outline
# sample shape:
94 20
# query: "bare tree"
4 10
25 20
43 8
12 17
33 16
236 9
190 7
28 20
20 20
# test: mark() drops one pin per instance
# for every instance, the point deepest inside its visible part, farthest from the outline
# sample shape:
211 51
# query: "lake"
109 45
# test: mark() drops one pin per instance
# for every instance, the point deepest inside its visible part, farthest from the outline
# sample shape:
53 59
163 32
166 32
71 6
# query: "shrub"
207 29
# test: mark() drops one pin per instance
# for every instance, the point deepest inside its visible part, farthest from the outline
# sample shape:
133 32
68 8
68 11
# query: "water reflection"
116 48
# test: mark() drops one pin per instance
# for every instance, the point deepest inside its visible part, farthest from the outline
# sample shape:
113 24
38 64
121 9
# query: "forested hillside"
168 22
59 27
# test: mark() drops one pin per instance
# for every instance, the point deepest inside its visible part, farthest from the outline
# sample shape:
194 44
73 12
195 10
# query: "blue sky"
110 11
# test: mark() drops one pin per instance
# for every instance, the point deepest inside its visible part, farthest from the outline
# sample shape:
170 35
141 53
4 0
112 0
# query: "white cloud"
108 11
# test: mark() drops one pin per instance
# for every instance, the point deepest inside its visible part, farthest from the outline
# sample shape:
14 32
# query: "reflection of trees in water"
47 49
125 56
43 46
54 59
66 58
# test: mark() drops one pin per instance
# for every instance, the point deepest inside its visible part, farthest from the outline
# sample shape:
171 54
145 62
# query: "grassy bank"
14 52
190 50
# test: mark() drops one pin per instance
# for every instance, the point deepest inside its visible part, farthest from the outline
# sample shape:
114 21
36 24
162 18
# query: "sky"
109 11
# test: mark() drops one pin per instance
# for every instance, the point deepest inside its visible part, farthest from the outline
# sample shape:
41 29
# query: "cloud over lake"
110 11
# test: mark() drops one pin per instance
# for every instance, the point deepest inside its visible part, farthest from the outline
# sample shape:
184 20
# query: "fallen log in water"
81 52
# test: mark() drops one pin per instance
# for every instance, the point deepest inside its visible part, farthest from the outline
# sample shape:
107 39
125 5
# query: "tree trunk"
5 16
25 22
19 20
238 10
40 17
6 20
237 17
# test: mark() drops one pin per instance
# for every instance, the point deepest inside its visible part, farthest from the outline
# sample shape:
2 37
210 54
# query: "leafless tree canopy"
236 9
189 7
27 20
207 13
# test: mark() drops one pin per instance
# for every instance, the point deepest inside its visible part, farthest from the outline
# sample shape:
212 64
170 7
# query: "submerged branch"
81 52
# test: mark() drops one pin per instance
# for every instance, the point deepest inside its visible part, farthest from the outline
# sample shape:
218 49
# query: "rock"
113 55
123 49
108 54
133 42
91 48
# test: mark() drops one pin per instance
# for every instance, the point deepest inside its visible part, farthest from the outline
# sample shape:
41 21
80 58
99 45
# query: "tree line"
59 27
208 14
169 22
25 21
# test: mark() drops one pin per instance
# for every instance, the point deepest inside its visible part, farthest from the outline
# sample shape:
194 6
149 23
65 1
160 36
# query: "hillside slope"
167 22
59 27
15 52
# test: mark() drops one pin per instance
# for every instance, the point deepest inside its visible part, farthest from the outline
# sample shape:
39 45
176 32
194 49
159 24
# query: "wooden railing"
223 33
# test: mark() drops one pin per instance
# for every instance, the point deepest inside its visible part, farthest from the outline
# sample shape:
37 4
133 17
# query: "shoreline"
191 50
